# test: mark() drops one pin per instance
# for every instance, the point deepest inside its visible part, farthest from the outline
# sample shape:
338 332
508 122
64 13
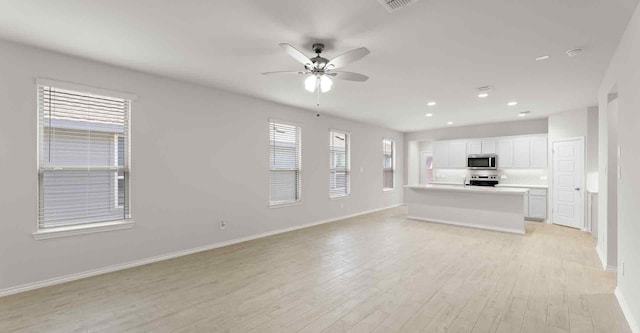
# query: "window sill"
82 229
341 197
286 204
388 189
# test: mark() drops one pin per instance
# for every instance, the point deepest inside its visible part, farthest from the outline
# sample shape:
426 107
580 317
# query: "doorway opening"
426 167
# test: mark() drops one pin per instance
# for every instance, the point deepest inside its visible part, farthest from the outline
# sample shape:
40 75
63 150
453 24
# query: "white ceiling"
433 50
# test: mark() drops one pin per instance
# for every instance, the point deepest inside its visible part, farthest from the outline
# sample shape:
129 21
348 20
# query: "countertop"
469 189
522 186
448 183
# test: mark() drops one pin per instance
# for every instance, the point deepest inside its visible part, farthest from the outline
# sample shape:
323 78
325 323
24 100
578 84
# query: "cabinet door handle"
577 189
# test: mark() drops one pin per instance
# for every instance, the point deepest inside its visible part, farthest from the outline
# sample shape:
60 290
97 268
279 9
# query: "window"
284 163
388 150
339 164
83 163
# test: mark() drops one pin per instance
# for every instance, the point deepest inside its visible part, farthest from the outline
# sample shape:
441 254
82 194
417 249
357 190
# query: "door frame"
582 180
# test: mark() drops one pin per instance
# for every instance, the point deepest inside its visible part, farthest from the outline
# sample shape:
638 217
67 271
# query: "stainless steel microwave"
482 162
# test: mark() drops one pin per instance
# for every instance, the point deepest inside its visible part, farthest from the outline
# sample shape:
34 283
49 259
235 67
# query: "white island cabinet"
491 208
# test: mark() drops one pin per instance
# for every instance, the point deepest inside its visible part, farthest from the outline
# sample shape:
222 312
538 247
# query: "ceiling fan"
319 70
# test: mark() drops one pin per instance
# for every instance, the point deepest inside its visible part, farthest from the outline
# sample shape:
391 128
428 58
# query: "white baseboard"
145 261
468 225
633 324
603 261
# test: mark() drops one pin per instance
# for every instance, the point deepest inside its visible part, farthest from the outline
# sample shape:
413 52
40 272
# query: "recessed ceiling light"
514 103
524 113
450 123
544 57
429 115
431 103
483 92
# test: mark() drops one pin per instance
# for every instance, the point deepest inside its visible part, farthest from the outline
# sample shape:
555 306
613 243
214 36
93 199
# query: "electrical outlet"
341 205
361 169
223 225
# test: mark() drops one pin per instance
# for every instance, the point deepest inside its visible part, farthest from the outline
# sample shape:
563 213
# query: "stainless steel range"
483 180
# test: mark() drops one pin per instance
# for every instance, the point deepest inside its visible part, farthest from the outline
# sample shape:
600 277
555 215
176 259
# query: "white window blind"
284 161
339 164
83 158
388 147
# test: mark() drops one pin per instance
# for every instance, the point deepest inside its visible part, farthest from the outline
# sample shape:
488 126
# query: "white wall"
199 155
608 193
523 127
623 76
532 126
413 162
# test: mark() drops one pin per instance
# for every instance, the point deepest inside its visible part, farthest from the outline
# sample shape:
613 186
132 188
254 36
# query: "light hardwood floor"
379 272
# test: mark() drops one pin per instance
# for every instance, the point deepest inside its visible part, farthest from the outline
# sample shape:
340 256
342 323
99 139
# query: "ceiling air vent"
393 5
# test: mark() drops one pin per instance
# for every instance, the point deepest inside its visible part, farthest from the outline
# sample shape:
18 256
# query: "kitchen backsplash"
511 176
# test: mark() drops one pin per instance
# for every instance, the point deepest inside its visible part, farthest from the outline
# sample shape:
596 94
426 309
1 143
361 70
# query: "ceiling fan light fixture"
325 83
311 83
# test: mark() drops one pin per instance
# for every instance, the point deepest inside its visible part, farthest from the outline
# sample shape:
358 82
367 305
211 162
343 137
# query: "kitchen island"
491 208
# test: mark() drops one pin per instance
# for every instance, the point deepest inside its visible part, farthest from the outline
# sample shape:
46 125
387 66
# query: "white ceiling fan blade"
284 72
347 58
295 54
349 76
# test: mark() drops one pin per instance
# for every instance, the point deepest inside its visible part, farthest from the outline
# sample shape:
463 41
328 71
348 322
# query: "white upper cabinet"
505 153
521 152
457 154
528 151
441 154
539 152
474 147
489 146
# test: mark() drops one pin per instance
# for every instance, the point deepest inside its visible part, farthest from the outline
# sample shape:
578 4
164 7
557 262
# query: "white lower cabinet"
537 207
536 201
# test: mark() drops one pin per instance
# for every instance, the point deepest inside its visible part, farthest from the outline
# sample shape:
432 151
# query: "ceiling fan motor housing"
318 48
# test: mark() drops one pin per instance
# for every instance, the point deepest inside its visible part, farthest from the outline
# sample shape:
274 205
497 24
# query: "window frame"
282 204
393 164
347 134
85 228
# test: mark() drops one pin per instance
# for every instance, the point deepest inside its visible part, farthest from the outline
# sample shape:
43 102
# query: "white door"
568 173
